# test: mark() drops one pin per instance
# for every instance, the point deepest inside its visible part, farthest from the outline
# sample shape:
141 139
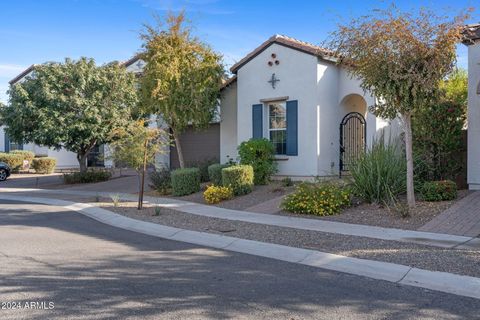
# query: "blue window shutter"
292 128
257 121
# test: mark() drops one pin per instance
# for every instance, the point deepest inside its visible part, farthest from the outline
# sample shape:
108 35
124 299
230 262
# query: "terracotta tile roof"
131 61
22 74
471 33
227 82
288 42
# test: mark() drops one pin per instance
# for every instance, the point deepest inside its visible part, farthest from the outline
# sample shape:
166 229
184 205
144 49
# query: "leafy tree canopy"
400 58
182 77
455 87
73 105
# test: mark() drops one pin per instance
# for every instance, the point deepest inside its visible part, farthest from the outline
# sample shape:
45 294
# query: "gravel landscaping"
466 262
362 213
259 194
376 215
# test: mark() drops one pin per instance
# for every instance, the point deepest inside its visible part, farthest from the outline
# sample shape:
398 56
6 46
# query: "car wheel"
3 174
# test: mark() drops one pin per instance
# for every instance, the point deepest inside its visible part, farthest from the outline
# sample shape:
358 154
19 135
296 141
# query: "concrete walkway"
396 273
462 218
424 238
270 206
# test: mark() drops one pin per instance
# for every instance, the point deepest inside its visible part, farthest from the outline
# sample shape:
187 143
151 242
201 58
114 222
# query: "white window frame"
269 129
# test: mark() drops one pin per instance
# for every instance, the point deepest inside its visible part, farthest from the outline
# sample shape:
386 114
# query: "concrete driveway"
30 180
122 181
88 270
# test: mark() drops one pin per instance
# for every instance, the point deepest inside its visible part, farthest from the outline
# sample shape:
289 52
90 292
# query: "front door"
353 133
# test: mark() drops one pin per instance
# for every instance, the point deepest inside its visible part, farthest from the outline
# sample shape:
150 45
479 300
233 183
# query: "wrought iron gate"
353 132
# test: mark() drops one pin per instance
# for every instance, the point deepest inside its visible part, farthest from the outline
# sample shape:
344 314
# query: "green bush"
379 175
185 181
203 165
160 180
14 161
287 182
260 154
439 190
438 138
215 173
27 155
239 178
321 199
90 176
44 164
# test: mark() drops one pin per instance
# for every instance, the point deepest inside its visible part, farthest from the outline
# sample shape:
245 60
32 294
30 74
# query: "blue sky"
34 31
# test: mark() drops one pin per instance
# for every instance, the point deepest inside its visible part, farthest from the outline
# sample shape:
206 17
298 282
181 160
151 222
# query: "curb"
396 273
374 232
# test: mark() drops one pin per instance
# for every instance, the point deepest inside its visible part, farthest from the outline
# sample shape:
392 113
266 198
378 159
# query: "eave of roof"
287 42
228 82
471 34
131 61
22 74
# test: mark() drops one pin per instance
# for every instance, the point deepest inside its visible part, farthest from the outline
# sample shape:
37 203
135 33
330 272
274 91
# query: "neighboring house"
198 145
472 40
64 158
296 95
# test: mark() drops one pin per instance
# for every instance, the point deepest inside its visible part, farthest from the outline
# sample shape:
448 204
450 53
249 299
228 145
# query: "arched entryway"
353 130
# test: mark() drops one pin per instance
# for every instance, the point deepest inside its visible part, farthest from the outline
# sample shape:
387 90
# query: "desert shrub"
260 154
27 155
439 190
321 199
215 173
90 176
185 181
216 194
239 178
379 175
287 182
203 165
14 161
160 180
44 164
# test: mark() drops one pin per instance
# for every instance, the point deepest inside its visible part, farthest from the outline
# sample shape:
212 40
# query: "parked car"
4 171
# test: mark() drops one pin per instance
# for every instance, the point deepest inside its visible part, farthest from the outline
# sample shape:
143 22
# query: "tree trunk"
82 161
407 119
142 183
178 146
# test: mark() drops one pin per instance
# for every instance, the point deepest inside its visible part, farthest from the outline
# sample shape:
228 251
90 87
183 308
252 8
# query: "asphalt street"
61 265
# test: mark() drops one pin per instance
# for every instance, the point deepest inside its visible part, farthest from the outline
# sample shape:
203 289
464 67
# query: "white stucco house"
295 94
472 40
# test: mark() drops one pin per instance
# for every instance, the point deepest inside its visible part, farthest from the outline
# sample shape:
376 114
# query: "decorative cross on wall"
140 64
273 80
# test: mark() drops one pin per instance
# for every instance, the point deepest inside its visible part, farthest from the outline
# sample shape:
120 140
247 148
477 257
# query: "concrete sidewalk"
424 238
401 274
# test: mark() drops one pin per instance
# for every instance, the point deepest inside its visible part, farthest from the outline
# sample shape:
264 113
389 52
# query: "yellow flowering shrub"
215 194
321 199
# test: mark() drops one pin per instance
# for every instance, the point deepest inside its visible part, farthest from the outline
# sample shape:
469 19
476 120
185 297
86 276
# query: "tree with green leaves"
73 105
136 146
455 87
400 58
438 131
181 79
